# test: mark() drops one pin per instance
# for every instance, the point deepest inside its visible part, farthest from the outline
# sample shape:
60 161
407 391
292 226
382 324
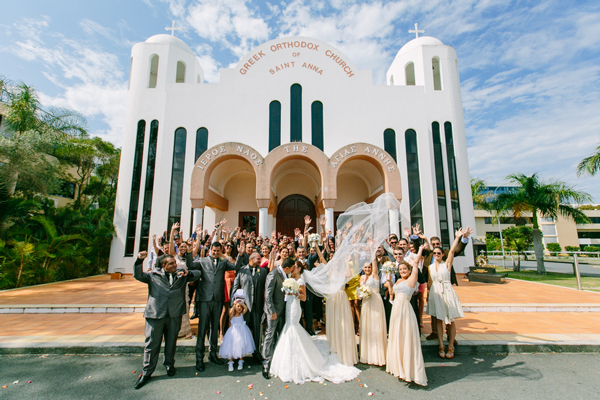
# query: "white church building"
294 129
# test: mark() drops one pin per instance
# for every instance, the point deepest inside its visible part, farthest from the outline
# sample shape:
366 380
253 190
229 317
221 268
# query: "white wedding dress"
298 358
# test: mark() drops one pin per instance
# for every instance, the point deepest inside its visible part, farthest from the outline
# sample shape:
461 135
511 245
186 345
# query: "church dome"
170 39
421 41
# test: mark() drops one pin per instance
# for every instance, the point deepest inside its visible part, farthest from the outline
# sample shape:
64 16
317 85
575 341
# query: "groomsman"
252 279
165 307
210 296
274 310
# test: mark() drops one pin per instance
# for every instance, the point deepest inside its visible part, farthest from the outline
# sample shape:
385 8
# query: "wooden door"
291 211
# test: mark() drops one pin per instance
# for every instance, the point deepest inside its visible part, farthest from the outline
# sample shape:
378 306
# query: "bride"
298 358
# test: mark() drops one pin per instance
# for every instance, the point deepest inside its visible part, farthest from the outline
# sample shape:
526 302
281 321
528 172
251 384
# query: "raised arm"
156 249
414 275
320 254
457 237
374 270
172 238
138 268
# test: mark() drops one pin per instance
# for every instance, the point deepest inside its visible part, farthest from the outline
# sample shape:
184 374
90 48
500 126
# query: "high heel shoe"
441 353
450 353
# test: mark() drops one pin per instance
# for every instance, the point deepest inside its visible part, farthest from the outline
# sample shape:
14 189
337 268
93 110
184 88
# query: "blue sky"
530 70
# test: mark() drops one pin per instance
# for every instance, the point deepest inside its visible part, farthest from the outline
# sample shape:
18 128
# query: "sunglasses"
228 245
437 253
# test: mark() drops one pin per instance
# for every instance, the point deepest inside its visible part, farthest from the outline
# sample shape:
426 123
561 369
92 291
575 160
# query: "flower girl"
237 342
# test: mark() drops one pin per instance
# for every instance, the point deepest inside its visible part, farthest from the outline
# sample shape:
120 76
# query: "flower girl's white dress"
298 358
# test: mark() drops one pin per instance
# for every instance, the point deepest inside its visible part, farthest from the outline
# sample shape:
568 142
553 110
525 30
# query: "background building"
293 129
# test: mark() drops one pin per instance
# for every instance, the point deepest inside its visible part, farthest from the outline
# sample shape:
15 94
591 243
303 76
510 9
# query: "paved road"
523 376
584 269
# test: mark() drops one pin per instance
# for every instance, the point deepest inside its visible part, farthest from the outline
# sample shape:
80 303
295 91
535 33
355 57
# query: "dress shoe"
200 366
170 370
311 333
266 374
214 359
432 336
142 381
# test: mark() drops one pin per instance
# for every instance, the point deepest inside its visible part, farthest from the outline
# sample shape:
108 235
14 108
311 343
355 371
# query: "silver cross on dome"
416 31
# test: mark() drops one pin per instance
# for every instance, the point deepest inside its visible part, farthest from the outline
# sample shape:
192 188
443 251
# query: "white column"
394 218
209 219
263 221
329 223
197 218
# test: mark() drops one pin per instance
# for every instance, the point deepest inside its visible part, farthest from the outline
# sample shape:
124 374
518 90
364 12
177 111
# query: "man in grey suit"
274 310
252 279
166 305
210 296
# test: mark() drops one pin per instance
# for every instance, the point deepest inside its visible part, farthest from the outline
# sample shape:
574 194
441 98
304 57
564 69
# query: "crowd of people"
250 294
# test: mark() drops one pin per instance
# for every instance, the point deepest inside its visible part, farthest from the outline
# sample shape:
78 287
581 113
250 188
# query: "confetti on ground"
236 381
218 392
358 380
286 387
88 377
15 382
370 394
29 382
324 384
133 372
269 385
196 373
4 387
260 393
366 385
361 385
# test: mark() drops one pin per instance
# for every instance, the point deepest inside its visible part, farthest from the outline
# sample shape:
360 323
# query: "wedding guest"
238 342
166 305
339 326
264 252
443 302
373 333
186 327
229 277
404 354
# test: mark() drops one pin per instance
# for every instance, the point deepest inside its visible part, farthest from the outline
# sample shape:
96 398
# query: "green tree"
543 198
481 198
590 165
519 239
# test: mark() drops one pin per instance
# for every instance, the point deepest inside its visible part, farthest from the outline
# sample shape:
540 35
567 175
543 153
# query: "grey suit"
274 303
210 295
166 305
254 287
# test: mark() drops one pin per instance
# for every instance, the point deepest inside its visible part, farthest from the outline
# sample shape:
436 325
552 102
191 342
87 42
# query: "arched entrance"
291 211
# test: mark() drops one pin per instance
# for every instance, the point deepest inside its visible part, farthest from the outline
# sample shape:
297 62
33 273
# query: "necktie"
170 279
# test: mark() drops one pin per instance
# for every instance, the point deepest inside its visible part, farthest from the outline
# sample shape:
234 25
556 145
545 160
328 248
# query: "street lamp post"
501 238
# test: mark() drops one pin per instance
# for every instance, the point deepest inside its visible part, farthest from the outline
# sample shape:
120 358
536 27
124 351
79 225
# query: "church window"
317 124
274 124
453 176
201 142
177 177
149 187
410 74
153 71
296 113
414 182
437 79
134 197
440 184
180 75
389 142
392 80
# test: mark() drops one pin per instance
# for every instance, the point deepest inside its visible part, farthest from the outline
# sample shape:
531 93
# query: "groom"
274 310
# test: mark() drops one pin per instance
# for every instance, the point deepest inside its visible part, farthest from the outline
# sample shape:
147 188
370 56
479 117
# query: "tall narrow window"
440 185
177 177
453 176
149 187
274 124
392 80
437 79
136 178
410 74
317 124
180 75
201 142
389 142
153 71
414 182
296 113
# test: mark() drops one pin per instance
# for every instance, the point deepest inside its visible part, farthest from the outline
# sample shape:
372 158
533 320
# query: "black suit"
209 299
166 305
253 284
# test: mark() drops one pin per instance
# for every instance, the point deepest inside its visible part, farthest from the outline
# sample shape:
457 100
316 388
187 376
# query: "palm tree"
545 199
481 197
590 165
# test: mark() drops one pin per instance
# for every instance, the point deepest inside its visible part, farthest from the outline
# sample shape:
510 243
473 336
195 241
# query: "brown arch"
200 194
375 155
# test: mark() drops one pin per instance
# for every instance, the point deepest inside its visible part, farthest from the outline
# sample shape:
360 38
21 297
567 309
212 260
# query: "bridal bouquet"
364 292
314 239
389 268
290 286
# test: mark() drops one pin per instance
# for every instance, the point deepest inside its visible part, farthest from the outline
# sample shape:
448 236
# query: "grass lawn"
554 278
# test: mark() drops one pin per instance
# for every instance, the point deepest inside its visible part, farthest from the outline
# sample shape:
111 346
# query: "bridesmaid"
443 302
373 334
404 354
